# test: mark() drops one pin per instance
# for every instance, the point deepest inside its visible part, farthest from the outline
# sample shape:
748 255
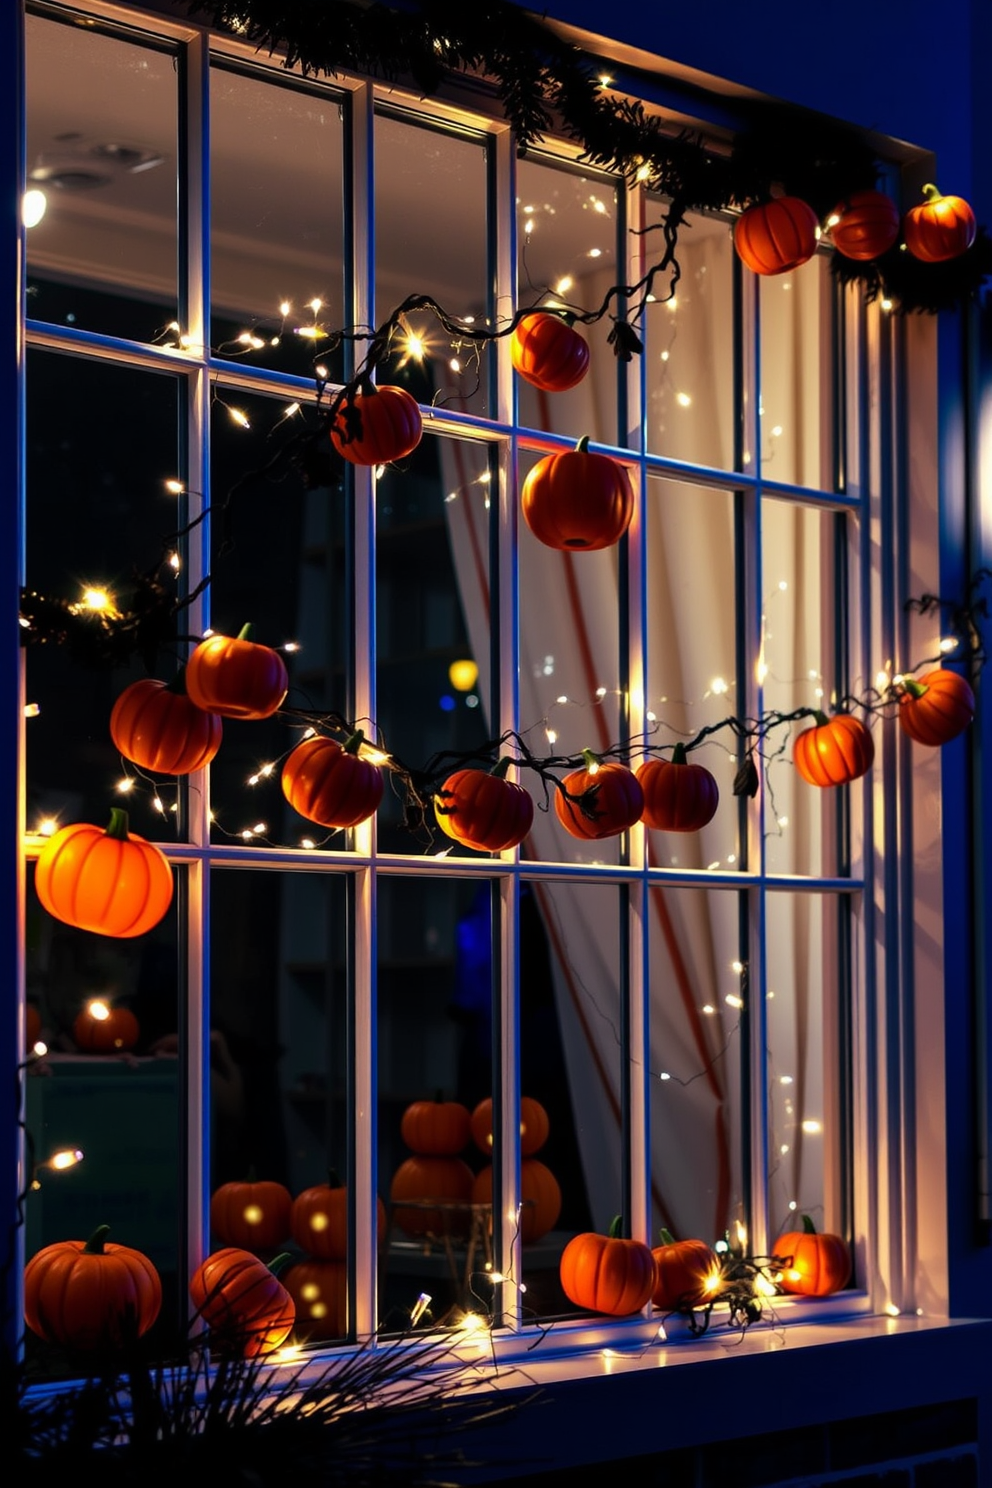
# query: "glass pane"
691 667
800 658
279 1081
567 230
795 376
689 348
569 676
808 1060
435 1051
105 1101
431 237
102 151
698 987
97 513
577 929
277 231
279 563
432 622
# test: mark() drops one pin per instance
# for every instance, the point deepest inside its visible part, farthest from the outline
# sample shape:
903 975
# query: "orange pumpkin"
612 799
376 425
941 227
678 797
245 1306
686 1270
835 751
605 1273
110 881
421 1182
330 783
577 500
436 1128
865 225
236 676
776 236
318 1220
319 1290
812 1265
483 810
157 726
92 1294
540 1197
251 1214
534 1126
548 353
112 1030
937 707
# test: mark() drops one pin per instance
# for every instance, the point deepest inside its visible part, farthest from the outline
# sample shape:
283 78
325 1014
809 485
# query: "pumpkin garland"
578 501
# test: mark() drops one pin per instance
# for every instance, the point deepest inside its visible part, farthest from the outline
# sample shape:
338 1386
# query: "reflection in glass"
807 1039
102 146
795 388
799 671
699 987
431 238
432 622
689 349
97 509
279 1079
567 226
570 1060
277 236
691 665
107 1095
435 978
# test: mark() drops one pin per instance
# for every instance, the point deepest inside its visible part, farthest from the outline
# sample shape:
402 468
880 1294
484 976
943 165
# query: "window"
689 1008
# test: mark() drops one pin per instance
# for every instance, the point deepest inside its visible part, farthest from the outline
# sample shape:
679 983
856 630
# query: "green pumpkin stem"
499 769
679 756
244 634
591 758
277 1262
914 688
667 1238
354 741
931 192
582 447
820 718
178 683
118 824
94 1245
809 1228
615 1232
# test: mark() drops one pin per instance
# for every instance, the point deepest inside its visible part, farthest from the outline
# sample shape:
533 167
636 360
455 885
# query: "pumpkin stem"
277 1262
615 1231
667 1238
118 824
679 755
178 683
809 1228
94 1245
244 634
353 742
591 758
931 193
333 1181
251 1176
583 445
501 766
820 718
914 688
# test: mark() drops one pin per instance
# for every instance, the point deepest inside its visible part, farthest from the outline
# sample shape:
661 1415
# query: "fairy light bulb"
175 487
238 416
98 600
67 1158
285 307
98 1010
34 204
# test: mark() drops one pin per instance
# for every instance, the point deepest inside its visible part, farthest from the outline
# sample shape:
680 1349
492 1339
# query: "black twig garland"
546 83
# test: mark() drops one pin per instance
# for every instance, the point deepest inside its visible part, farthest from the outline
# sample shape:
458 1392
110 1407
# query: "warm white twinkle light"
98 600
125 785
175 487
683 400
98 1010
47 827
67 1158
719 686
948 643
31 710
238 416
285 308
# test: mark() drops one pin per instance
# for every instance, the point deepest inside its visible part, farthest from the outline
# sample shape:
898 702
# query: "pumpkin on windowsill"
319 1290
605 1273
236 676
688 1273
812 1264
318 1220
102 1028
91 1295
106 880
242 1302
